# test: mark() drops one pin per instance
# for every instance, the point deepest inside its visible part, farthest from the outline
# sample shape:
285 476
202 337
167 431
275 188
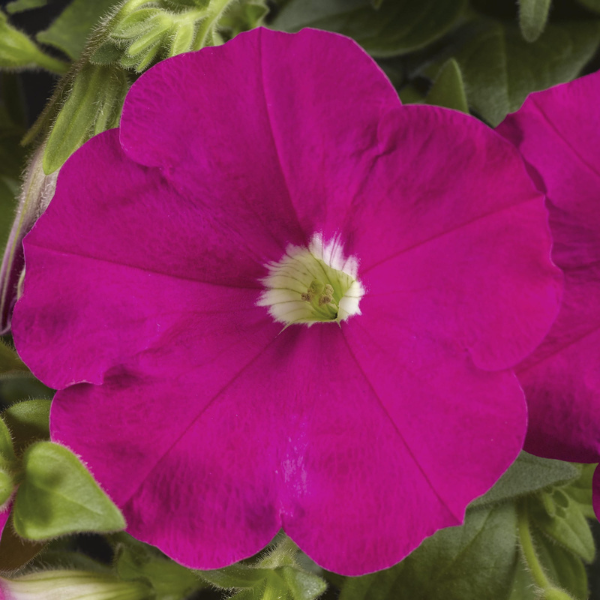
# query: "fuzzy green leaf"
59 496
28 422
500 68
528 474
7 451
71 29
17 51
137 562
22 5
236 576
94 105
397 27
302 585
563 520
533 15
448 89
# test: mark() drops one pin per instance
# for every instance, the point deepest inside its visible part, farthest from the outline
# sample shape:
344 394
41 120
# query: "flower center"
312 285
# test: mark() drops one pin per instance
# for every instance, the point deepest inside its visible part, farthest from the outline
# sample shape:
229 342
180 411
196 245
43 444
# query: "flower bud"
73 585
36 194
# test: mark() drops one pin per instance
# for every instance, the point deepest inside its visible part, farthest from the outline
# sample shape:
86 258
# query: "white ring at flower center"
312 285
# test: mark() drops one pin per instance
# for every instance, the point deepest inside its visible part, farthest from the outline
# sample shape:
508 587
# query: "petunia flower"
276 298
556 132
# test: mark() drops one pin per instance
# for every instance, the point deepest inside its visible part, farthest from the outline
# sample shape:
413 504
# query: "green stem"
529 554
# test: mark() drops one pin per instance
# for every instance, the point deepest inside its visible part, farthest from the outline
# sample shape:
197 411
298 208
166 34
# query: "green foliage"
58 496
500 68
93 105
130 40
275 576
395 28
137 562
139 36
243 16
22 5
448 89
70 31
533 15
460 563
537 499
28 423
17 51
527 475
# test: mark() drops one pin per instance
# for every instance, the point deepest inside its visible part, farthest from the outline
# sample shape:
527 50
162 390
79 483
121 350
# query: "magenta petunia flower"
276 298
556 131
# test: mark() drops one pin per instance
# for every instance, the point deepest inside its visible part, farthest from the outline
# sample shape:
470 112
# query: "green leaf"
7 451
558 517
580 491
500 69
302 585
8 463
28 422
448 89
458 563
22 5
397 27
71 29
17 51
59 496
135 561
562 567
236 576
94 105
243 16
533 15
527 475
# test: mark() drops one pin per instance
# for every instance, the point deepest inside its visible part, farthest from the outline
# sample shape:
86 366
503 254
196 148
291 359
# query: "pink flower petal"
460 244
319 117
561 379
209 425
223 475
135 259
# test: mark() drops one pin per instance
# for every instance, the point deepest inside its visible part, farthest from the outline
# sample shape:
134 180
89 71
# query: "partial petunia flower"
298 307
72 585
556 132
